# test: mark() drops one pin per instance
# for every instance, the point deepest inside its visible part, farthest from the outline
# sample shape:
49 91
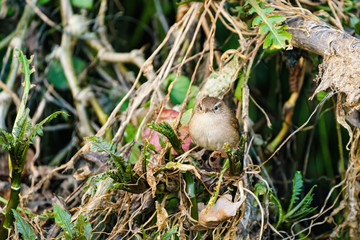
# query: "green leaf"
20 134
169 233
83 228
320 95
23 227
122 173
297 188
185 118
130 132
88 4
178 92
35 131
357 28
100 145
42 2
260 189
302 208
240 86
281 212
276 37
63 219
6 139
56 74
27 72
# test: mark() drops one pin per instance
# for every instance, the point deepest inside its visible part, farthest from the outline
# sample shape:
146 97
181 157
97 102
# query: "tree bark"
320 38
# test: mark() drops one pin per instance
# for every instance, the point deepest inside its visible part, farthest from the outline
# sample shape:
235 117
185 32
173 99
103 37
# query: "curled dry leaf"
222 210
167 115
154 164
161 216
82 173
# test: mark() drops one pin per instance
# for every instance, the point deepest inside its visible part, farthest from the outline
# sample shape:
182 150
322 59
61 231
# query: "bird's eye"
216 108
200 108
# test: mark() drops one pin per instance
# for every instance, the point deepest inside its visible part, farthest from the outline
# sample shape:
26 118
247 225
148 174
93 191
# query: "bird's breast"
212 132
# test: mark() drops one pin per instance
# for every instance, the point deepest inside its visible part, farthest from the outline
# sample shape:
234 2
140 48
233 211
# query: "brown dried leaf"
222 210
154 164
82 173
161 216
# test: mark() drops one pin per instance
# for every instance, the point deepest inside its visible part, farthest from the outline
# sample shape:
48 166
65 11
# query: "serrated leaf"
23 227
296 189
27 72
276 41
63 219
22 128
257 20
6 139
303 206
100 145
36 130
277 36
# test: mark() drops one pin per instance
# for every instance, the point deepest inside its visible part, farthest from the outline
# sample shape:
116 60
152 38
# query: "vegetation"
125 77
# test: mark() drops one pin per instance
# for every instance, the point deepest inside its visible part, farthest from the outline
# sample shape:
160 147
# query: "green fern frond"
236 157
296 190
122 173
166 129
6 139
303 206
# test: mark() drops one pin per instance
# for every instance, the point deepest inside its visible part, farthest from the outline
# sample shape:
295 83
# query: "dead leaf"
220 212
154 164
161 216
82 173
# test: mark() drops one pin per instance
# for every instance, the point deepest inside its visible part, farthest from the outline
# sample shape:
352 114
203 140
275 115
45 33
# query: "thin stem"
8 217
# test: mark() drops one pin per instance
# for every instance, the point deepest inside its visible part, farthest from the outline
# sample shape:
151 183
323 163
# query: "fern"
122 173
236 157
276 36
301 209
6 139
166 129
296 190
